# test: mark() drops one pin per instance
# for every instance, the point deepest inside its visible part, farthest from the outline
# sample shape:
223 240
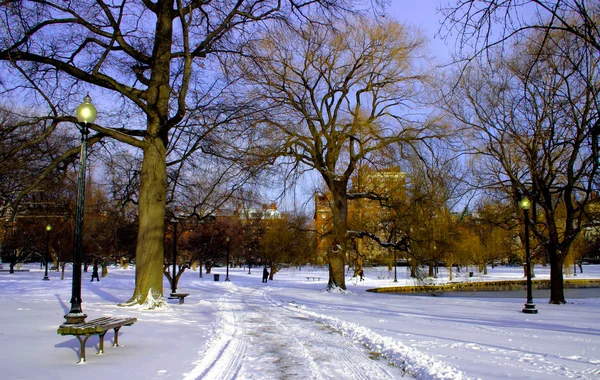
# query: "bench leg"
181 300
82 342
101 344
116 336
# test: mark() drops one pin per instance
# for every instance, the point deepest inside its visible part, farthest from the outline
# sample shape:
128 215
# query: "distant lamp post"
395 267
227 239
48 229
529 308
173 281
249 256
86 114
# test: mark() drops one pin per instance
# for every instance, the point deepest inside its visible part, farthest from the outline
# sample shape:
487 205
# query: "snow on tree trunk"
150 249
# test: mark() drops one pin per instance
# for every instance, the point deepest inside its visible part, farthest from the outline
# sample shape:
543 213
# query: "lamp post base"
73 318
530 308
46 278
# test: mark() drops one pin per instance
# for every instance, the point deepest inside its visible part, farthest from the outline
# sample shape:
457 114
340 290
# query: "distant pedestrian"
361 275
265 275
95 272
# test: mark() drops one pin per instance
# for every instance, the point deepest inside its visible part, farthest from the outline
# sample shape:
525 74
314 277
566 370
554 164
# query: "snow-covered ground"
290 328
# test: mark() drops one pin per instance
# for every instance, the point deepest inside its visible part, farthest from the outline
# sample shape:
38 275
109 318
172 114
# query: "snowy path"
257 339
293 329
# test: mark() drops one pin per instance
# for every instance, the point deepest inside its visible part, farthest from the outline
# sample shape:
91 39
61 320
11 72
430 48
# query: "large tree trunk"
358 264
150 248
336 255
274 270
557 259
413 267
152 199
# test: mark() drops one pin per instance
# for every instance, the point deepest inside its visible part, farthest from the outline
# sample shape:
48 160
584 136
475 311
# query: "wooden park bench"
180 296
98 327
313 278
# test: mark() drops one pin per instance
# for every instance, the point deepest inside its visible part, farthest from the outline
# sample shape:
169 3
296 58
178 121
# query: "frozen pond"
542 294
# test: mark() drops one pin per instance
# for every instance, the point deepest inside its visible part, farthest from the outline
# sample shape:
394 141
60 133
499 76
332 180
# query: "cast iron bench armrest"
99 326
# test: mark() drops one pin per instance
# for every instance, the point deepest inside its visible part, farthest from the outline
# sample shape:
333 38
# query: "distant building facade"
363 214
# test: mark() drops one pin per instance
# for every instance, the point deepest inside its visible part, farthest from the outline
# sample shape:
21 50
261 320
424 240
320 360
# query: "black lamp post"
250 247
395 267
529 308
48 229
227 271
173 282
249 256
86 113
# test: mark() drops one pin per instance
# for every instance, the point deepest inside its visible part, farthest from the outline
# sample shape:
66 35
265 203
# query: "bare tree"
496 225
533 124
497 23
155 60
284 240
27 151
423 215
338 98
475 20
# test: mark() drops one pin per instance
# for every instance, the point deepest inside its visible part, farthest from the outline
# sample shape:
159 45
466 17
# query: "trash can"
470 274
216 277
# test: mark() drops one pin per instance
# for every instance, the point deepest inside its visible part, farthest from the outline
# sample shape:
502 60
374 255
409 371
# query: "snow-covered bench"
98 327
308 278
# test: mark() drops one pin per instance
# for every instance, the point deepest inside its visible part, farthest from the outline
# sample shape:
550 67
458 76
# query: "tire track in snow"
227 346
331 355
290 355
257 339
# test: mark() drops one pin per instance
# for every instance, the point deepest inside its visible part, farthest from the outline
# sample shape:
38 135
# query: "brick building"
363 214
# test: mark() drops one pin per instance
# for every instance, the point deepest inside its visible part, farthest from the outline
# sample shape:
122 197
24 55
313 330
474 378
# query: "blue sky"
423 15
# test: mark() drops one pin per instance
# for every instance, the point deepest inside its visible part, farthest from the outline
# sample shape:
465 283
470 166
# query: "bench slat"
178 295
96 326
99 326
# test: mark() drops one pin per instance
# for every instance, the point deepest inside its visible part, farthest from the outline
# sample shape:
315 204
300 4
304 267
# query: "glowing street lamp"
525 205
227 239
48 229
86 114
